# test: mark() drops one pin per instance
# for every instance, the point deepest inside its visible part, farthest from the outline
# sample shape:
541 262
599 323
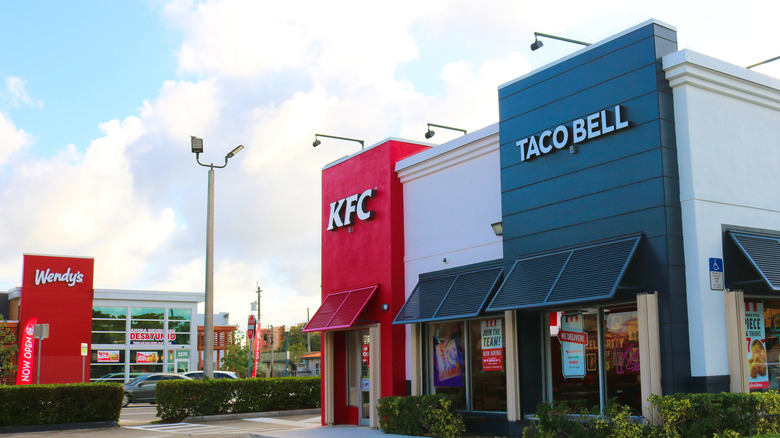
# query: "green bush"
177 399
422 415
27 405
724 414
564 419
680 415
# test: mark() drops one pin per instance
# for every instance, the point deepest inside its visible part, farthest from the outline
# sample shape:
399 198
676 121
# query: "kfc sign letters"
343 210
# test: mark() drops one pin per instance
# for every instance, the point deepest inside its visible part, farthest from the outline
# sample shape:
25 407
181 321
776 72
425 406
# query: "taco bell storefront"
91 334
634 247
639 242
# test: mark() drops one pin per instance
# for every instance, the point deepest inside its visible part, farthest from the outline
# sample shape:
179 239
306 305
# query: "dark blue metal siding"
624 183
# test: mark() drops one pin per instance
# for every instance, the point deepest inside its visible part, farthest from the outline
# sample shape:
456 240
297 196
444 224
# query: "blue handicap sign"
716 265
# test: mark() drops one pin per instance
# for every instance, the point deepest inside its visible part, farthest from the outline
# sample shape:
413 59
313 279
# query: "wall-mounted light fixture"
763 62
498 228
538 44
431 133
385 307
317 141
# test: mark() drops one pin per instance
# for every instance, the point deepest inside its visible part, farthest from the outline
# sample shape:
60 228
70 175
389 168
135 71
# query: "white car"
198 375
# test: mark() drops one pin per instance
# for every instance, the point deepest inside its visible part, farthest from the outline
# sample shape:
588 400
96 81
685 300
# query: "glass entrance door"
359 373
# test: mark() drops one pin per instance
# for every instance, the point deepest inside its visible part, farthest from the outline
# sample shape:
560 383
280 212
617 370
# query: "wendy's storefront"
615 235
85 334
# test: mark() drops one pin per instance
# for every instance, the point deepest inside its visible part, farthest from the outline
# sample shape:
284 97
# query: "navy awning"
453 294
587 273
763 252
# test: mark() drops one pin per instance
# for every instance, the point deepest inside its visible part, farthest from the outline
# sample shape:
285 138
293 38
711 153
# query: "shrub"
27 405
177 399
564 419
681 415
422 415
723 414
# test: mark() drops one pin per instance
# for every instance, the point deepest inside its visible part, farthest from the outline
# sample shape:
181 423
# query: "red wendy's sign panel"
58 291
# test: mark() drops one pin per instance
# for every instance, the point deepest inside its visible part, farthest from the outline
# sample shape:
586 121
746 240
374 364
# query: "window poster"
448 361
755 333
573 341
492 345
108 356
146 357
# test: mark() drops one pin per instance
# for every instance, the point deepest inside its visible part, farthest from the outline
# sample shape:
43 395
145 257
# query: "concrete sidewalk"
338 431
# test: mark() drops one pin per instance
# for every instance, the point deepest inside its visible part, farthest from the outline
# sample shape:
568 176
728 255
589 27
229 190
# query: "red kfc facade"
57 291
362 283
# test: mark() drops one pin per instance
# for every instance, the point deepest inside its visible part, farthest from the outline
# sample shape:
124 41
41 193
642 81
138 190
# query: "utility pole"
308 334
271 329
258 305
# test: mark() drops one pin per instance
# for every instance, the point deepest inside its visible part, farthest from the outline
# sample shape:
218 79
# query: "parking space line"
306 424
189 429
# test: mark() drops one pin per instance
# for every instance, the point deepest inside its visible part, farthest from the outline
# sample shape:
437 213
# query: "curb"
62 426
228 417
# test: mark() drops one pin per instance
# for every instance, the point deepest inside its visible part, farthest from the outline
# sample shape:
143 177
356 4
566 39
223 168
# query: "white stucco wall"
727 123
452 194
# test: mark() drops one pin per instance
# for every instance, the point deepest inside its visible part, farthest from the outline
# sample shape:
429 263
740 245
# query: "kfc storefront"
362 283
71 332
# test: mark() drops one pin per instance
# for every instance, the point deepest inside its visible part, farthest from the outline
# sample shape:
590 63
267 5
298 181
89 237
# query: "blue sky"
83 63
98 100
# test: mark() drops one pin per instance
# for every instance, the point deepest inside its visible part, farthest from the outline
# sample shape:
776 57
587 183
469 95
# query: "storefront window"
621 350
109 325
147 326
486 356
178 314
467 361
762 326
179 326
146 361
581 352
147 313
574 358
107 365
449 370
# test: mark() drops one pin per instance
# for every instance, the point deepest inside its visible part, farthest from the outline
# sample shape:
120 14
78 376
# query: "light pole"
208 323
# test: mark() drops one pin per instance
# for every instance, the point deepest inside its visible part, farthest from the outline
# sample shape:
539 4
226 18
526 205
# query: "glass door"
359 373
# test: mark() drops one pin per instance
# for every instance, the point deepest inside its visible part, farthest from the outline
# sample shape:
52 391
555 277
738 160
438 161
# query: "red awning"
340 310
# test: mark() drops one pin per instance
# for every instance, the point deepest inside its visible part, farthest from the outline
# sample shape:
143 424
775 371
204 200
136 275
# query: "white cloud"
11 139
16 93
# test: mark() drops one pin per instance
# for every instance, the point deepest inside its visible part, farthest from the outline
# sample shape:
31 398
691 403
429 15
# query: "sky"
98 101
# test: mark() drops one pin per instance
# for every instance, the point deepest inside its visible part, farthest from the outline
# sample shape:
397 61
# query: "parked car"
141 389
116 377
198 375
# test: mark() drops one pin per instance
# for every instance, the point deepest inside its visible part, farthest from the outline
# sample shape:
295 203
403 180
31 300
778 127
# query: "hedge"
27 405
178 399
680 415
420 415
